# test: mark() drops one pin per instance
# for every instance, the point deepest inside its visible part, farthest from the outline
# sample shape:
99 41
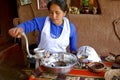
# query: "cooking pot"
57 63
96 67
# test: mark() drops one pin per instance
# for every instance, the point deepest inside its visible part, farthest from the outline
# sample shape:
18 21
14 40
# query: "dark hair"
61 3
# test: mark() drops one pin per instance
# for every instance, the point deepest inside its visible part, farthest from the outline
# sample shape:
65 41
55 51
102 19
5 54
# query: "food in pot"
60 63
97 66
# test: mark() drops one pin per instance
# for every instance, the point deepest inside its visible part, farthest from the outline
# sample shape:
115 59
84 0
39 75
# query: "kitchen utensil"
39 52
96 67
57 63
27 45
54 64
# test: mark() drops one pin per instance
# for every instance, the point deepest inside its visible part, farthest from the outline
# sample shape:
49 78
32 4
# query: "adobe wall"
97 30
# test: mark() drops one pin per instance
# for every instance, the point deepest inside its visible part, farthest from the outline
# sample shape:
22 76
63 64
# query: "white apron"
55 45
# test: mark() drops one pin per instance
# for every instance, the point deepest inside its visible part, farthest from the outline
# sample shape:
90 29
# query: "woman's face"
56 14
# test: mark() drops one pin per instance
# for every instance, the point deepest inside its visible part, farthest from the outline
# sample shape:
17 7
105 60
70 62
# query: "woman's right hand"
15 32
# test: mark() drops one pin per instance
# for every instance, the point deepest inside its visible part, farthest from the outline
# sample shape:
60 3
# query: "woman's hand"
15 32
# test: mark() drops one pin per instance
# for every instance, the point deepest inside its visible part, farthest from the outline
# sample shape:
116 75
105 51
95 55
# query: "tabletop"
75 74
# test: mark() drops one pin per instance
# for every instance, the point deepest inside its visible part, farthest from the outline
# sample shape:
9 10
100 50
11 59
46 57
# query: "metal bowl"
59 63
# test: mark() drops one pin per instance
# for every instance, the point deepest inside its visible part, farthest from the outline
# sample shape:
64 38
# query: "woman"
56 32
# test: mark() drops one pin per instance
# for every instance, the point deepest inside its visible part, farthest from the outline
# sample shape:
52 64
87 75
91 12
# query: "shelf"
84 7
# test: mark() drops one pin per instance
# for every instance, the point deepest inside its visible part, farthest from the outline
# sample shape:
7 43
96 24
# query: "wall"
8 11
97 30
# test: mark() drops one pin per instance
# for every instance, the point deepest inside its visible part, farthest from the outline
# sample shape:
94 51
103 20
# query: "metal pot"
57 63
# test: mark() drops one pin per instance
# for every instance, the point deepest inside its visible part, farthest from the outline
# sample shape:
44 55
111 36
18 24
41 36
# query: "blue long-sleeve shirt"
38 24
